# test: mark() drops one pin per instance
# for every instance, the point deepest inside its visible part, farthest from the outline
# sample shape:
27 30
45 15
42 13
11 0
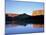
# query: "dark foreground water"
17 29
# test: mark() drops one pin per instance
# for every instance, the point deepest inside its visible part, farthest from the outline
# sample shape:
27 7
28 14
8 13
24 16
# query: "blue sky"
22 7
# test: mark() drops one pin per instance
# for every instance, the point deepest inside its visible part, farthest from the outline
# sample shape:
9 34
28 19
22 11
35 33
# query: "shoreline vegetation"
24 19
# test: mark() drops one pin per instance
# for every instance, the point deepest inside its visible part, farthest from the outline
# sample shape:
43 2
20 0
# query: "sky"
20 7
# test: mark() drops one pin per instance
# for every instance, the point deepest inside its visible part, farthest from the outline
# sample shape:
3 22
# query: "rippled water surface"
15 29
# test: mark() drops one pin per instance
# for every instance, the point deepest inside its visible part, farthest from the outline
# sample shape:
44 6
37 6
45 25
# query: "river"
19 29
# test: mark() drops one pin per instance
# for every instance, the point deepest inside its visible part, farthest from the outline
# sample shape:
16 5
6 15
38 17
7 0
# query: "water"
15 29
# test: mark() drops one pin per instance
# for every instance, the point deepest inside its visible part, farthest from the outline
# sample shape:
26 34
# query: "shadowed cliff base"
24 19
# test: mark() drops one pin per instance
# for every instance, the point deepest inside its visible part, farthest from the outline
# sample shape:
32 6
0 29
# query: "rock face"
38 12
12 15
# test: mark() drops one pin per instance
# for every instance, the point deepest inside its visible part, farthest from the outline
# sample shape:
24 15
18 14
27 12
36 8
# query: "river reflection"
38 25
29 28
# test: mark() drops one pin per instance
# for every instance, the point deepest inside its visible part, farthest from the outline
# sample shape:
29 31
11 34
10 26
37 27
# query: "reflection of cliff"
38 25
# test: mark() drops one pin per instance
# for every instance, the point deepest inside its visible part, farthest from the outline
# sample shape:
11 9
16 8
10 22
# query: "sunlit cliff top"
38 12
